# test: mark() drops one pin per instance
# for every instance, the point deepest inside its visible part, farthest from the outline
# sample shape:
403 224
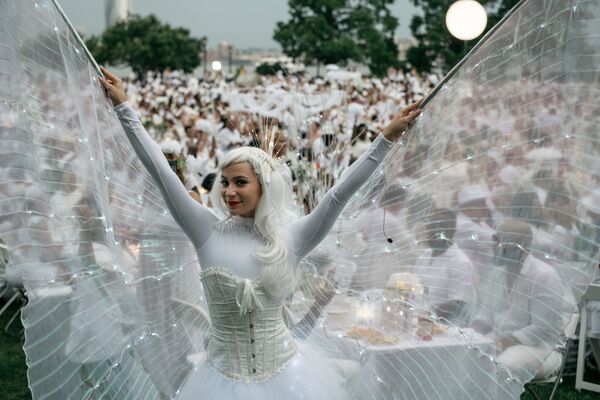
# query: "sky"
243 23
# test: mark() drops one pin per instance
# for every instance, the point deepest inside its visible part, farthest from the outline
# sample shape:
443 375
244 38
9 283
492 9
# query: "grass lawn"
13 371
13 378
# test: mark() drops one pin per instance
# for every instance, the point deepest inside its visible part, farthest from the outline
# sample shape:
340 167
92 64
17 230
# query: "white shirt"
449 276
356 112
228 138
213 239
475 239
532 310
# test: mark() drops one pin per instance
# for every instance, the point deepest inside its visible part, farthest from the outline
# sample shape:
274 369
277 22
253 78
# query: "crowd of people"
490 204
511 213
317 126
478 195
377 247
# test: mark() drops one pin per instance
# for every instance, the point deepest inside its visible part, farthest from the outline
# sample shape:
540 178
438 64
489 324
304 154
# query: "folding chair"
593 293
570 335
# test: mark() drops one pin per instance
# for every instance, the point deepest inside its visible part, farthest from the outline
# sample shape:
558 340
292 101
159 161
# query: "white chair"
556 361
593 293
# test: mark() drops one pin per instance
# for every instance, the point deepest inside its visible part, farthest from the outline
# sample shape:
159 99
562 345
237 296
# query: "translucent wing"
511 137
79 216
465 256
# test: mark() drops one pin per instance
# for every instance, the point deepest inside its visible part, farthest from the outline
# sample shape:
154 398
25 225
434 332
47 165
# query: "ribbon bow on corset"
246 297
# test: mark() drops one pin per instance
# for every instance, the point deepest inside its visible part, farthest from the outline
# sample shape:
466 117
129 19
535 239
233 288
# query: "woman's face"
240 189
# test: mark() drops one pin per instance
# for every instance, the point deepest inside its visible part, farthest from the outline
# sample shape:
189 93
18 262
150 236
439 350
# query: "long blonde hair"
273 212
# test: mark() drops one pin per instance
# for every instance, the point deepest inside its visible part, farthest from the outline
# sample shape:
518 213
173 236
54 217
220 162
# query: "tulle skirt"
309 376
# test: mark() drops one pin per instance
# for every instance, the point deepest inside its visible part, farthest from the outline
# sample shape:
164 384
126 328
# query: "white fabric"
308 375
593 316
356 112
592 202
475 239
249 341
510 175
526 311
449 277
228 138
593 309
472 193
527 358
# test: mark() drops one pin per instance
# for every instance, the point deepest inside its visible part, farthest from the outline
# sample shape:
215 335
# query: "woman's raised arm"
192 217
306 233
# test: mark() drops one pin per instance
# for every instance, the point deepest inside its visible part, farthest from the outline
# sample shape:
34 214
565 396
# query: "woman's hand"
398 126
114 87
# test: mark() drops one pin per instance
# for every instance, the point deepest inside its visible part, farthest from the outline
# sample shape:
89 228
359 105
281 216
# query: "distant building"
255 55
117 10
403 45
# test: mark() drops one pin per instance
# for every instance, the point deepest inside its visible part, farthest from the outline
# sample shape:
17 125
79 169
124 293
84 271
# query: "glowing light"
216 66
466 19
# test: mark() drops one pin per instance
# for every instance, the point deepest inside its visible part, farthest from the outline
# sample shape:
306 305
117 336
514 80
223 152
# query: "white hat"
171 147
544 154
510 175
206 126
495 155
472 193
592 202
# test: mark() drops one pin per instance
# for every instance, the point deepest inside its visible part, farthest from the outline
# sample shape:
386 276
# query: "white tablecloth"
456 365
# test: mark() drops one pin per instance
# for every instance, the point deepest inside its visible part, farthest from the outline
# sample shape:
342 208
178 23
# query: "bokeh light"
466 19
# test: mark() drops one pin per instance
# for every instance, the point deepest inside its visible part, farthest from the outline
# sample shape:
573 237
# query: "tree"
336 31
435 42
146 44
266 69
374 27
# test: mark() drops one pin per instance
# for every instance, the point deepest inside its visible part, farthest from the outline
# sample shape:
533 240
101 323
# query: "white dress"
251 353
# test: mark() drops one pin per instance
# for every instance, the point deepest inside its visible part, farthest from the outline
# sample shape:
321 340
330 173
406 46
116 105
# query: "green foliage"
13 370
146 44
269 69
337 31
435 43
13 379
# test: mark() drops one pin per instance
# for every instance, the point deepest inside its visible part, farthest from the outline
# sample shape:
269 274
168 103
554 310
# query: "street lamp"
230 54
466 19
204 42
229 48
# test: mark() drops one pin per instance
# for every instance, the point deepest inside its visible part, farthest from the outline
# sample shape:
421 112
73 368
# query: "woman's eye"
241 183
224 183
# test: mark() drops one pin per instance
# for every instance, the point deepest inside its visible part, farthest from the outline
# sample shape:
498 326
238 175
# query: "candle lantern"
366 312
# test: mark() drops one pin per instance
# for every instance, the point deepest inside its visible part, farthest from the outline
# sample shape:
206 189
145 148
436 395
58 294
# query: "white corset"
249 341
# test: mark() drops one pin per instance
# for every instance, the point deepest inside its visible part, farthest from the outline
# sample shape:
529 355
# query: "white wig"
274 210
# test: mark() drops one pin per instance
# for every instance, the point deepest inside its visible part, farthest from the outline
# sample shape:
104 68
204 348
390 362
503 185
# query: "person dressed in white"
473 230
248 260
229 136
355 115
447 272
381 235
523 304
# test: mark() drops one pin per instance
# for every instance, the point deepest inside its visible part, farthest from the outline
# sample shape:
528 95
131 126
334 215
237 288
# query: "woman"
248 260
